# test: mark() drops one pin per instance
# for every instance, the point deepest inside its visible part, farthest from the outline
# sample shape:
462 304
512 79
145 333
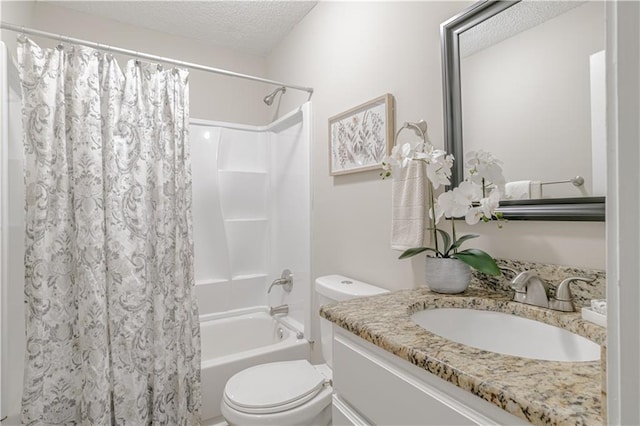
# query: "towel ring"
419 127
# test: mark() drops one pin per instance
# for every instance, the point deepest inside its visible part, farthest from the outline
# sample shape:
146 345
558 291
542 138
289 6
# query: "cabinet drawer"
385 397
387 390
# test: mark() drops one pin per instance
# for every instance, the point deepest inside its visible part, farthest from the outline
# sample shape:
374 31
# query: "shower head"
271 96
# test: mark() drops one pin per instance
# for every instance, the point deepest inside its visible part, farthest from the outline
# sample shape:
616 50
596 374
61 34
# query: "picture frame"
361 137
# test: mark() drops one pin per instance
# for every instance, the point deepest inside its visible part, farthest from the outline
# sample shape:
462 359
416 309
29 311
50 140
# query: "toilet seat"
274 387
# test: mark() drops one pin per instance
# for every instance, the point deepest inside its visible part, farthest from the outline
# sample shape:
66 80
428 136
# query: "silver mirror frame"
556 209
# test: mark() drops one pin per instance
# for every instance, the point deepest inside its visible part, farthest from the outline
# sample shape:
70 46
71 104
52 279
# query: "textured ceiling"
514 20
250 26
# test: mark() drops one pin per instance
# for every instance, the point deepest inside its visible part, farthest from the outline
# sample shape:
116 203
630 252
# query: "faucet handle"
285 280
518 283
563 292
564 299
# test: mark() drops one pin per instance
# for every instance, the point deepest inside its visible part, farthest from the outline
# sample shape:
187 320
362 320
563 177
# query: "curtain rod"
100 46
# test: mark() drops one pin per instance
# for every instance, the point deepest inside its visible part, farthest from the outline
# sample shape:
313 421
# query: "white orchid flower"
400 157
386 167
439 164
439 171
444 201
388 161
484 166
473 216
490 204
457 202
486 209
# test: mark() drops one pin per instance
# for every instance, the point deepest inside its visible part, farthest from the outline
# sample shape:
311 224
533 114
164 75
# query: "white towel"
535 189
408 206
523 190
599 305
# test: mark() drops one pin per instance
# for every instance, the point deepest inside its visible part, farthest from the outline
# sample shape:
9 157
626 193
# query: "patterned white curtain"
112 325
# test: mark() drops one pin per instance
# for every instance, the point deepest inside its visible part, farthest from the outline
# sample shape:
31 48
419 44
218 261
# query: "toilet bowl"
292 392
279 393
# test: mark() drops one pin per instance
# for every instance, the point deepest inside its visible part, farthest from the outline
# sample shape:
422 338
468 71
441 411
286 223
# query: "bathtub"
235 340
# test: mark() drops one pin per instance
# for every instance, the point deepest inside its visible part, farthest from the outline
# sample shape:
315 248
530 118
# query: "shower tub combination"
235 340
251 220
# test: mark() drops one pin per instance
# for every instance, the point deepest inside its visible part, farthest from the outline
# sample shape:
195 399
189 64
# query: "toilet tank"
336 288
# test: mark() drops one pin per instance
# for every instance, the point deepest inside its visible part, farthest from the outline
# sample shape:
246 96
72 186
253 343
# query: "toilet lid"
273 387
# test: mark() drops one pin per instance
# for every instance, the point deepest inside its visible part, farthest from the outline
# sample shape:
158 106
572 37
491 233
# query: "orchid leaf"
416 250
446 240
462 239
479 260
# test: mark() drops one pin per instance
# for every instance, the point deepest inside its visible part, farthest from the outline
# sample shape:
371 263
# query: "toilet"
292 392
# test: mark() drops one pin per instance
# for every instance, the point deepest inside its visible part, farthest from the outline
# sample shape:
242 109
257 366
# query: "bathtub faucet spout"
281 309
285 280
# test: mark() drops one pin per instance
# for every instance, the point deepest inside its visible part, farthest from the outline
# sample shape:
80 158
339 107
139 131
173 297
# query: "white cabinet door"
344 415
386 390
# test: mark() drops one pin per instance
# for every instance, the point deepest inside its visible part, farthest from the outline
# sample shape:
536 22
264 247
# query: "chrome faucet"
563 300
285 280
280 309
530 289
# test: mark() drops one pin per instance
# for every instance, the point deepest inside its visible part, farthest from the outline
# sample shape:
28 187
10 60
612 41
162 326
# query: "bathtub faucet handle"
285 280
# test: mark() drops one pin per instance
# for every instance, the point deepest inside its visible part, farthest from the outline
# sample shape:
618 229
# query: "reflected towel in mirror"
523 190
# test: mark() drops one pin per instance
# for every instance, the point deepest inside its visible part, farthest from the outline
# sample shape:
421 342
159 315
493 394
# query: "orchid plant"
476 199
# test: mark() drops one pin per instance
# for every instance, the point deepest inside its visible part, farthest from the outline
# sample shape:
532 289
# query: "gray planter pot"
448 276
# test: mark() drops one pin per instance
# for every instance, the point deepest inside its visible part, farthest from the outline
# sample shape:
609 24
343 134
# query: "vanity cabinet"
374 387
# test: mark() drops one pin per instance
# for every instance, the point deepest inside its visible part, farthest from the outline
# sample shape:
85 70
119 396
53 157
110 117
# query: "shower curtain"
112 325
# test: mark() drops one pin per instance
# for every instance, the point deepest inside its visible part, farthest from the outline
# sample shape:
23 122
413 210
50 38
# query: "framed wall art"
360 137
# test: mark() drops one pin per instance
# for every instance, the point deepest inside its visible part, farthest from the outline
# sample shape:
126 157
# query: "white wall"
230 216
212 97
20 12
351 52
290 226
1 233
251 213
623 209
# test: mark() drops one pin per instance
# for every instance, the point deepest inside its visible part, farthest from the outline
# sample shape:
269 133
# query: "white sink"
507 334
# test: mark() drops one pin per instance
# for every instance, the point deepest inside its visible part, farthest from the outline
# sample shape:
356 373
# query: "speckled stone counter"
542 392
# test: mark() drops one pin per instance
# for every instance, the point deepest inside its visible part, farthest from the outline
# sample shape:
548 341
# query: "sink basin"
507 334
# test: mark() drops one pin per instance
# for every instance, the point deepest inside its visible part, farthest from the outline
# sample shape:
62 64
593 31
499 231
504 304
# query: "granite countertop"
542 392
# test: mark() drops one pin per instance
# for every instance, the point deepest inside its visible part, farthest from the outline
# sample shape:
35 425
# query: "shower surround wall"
251 213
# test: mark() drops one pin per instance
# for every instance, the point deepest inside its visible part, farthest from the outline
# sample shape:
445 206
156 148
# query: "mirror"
525 80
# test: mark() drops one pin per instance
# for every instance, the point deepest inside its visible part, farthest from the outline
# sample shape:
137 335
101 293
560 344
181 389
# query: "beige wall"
351 52
18 12
212 96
